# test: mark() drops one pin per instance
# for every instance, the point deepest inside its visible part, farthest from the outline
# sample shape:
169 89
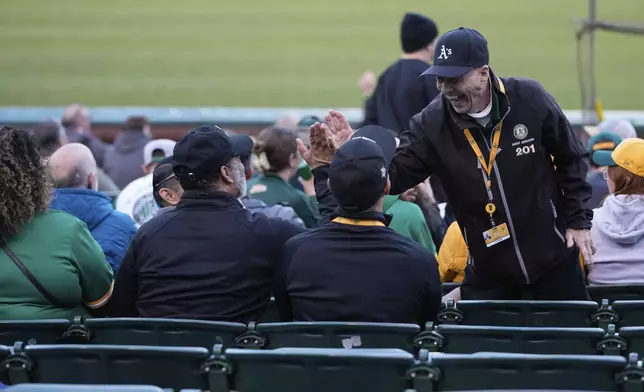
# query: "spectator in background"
54 247
124 159
166 188
78 127
618 225
355 268
401 91
257 206
137 198
600 144
72 169
209 258
50 136
606 136
279 161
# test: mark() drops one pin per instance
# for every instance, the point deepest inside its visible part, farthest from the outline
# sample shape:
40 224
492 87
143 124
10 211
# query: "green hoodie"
408 220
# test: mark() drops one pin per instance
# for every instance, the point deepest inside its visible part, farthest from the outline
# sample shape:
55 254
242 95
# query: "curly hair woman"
55 248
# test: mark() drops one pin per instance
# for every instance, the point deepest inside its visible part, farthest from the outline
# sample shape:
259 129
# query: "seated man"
165 186
73 171
209 258
355 268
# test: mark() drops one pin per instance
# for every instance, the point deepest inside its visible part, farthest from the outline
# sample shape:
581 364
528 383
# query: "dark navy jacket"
342 272
537 201
207 259
112 230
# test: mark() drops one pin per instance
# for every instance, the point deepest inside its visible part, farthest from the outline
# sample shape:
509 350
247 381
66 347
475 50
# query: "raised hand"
322 146
339 127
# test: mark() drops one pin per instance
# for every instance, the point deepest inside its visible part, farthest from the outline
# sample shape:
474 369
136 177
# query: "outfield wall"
172 123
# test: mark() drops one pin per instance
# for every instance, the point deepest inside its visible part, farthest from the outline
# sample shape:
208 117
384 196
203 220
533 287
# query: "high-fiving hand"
325 139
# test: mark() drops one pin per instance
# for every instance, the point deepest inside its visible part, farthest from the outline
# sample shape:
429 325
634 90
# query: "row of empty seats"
446 338
311 369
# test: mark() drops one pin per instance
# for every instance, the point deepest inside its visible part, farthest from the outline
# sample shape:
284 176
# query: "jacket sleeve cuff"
583 221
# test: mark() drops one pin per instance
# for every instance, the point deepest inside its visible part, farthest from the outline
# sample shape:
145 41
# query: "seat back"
165 367
485 371
339 335
163 332
465 339
32 331
631 313
616 293
447 287
82 388
528 313
634 337
319 370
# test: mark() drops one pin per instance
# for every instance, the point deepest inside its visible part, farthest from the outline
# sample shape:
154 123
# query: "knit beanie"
416 32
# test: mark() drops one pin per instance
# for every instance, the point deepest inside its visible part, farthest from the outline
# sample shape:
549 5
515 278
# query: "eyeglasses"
164 181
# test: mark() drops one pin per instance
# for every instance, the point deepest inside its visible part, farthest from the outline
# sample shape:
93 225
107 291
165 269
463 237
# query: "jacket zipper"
470 258
554 212
507 209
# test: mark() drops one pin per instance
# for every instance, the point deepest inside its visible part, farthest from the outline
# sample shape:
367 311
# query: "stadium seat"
520 313
616 293
463 339
447 287
634 338
630 313
489 371
165 367
82 388
163 332
319 370
32 331
339 335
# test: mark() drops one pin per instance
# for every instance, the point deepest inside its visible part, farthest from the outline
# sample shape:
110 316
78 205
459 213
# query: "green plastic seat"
163 332
319 370
82 388
631 313
463 339
616 293
521 313
634 337
164 367
339 335
32 331
485 371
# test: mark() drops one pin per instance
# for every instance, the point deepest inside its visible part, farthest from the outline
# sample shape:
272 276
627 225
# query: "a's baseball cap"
458 52
156 150
601 146
359 170
204 150
630 156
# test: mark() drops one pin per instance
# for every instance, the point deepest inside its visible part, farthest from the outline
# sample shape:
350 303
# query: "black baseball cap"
160 176
359 170
458 52
204 150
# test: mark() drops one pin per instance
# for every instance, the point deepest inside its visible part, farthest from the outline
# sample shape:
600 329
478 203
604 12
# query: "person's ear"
387 186
92 181
485 73
170 196
226 175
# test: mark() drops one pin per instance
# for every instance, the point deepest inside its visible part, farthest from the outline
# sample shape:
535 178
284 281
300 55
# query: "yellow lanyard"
487 166
358 222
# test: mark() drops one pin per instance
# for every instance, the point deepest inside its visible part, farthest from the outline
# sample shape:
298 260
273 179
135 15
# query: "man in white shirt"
137 198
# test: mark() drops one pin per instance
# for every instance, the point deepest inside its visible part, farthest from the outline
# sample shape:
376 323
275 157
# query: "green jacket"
61 254
272 189
409 221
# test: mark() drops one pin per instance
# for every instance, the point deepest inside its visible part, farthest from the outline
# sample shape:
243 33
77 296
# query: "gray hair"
75 178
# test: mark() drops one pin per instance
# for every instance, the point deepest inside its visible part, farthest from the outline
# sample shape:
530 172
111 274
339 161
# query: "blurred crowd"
335 224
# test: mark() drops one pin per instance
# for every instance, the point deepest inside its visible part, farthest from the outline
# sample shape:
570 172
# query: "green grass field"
284 52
